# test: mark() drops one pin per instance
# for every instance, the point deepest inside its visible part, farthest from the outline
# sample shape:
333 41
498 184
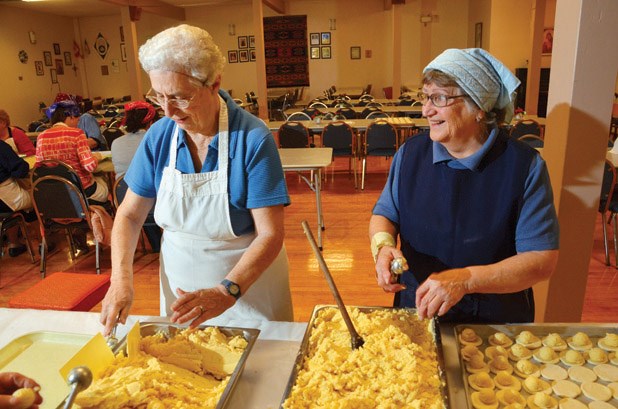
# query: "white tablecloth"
263 380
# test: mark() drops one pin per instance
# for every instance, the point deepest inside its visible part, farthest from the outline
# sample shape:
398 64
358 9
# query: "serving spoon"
357 340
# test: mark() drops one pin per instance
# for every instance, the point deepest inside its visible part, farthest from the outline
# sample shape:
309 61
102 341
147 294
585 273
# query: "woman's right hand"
13 381
116 304
386 279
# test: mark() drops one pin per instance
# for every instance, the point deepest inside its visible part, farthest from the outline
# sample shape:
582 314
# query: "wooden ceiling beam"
152 6
276 5
388 4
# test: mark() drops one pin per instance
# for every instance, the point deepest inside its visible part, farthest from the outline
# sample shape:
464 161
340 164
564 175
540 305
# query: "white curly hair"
184 49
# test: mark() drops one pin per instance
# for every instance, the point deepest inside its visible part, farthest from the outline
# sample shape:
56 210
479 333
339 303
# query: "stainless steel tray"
249 334
302 352
594 331
40 355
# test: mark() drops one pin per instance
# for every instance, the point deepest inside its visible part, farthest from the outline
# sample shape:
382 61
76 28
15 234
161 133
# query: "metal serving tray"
594 331
40 355
249 334
302 352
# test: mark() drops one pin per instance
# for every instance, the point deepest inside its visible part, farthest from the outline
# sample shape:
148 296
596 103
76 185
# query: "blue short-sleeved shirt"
537 214
255 174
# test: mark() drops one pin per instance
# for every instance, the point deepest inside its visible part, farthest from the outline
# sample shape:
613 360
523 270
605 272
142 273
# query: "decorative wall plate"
23 56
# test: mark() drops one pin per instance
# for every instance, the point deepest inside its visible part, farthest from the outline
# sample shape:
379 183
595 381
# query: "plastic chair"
532 140
150 228
347 113
377 115
293 134
342 138
609 204
380 139
10 220
300 116
60 204
111 134
525 127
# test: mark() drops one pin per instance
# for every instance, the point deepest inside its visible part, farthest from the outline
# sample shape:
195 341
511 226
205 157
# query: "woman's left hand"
199 306
441 291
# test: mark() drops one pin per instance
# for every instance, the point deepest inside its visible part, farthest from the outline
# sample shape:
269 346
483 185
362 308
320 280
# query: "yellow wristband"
379 240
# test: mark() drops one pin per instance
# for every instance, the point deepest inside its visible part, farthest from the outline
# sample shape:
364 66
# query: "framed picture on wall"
123 52
252 54
325 52
242 42
355 53
232 56
251 41
38 66
325 39
243 55
54 76
47 58
59 67
67 58
57 48
314 39
478 35
548 41
315 53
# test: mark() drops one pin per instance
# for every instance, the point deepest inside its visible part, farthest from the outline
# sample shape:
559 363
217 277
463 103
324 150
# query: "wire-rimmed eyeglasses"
160 99
438 100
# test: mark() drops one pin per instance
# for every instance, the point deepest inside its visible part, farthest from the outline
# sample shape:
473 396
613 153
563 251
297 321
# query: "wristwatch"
232 288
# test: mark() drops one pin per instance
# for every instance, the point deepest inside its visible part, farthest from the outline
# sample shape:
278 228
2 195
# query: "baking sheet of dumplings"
567 332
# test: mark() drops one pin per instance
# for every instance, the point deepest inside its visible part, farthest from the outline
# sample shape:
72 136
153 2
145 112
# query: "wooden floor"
346 251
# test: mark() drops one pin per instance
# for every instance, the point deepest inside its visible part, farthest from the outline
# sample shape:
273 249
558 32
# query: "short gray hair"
186 50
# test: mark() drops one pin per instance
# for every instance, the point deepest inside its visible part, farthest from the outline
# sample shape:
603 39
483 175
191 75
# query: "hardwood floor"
346 251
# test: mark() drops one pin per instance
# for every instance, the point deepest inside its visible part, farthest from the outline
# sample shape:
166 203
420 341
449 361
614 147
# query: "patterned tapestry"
285 44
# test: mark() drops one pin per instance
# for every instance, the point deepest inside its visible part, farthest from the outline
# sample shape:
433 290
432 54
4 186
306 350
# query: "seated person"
139 115
13 195
14 136
91 128
67 143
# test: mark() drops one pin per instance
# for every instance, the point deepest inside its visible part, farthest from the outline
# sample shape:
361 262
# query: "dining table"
105 165
402 110
312 160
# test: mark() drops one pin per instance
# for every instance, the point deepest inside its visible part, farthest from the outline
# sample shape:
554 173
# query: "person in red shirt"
20 141
67 143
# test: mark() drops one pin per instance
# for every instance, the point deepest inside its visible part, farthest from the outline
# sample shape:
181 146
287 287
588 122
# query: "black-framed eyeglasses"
438 100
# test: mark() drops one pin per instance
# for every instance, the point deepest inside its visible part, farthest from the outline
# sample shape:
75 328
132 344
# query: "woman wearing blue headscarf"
472 208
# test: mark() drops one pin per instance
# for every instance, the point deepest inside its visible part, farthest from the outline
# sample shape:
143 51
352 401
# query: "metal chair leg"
615 227
605 244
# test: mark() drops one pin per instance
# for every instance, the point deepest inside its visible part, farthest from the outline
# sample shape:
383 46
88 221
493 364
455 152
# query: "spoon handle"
357 340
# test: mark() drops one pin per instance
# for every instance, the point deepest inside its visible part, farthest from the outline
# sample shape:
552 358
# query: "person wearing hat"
472 209
139 115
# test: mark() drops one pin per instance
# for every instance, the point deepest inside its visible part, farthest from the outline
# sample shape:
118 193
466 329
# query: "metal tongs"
357 340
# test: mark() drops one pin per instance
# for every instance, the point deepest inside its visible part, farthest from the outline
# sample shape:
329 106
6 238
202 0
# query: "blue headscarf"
70 108
489 83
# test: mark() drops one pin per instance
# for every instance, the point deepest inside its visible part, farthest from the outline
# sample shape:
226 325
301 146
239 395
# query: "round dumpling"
525 368
469 337
518 351
555 342
532 385
500 339
484 399
505 380
580 341
477 364
542 401
597 356
470 350
528 339
481 380
500 363
609 342
546 355
510 396
572 357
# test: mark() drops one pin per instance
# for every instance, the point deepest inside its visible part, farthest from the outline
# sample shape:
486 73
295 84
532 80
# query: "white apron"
199 247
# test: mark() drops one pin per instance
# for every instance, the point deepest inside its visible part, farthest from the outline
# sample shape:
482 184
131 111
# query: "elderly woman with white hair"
472 208
216 175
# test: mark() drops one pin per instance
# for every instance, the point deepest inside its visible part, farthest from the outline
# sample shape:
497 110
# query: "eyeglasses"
159 99
438 100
